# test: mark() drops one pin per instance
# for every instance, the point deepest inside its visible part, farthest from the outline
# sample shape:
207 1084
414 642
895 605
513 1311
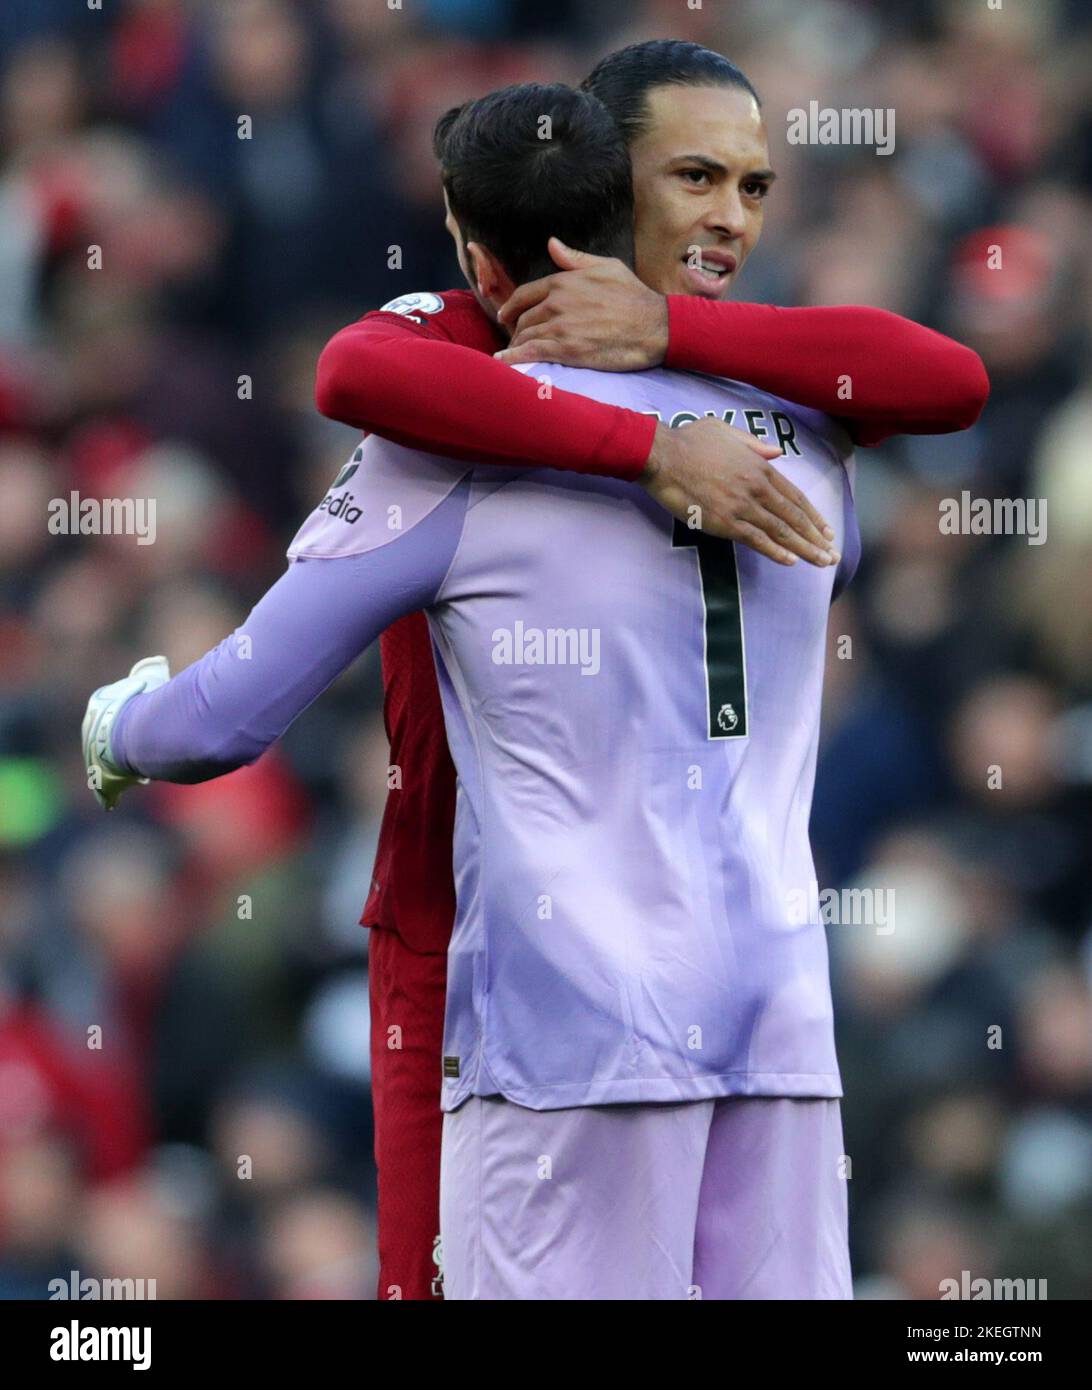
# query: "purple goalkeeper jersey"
633 711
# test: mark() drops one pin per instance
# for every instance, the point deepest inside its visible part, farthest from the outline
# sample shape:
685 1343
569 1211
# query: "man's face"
700 175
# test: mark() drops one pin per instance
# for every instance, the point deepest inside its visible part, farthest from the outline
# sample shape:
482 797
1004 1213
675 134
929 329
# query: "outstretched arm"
227 708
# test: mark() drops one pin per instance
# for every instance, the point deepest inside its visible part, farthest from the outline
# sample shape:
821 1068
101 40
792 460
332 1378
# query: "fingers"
748 522
739 498
534 317
786 515
524 298
787 538
568 257
797 520
760 447
533 350
756 539
795 496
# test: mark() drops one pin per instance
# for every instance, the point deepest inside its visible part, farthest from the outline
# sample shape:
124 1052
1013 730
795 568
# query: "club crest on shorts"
410 304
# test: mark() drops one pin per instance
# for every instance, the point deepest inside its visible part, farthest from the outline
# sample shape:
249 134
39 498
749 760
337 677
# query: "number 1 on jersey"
725 666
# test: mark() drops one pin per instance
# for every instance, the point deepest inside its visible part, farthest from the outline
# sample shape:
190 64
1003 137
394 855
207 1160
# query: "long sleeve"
225 709
902 378
425 391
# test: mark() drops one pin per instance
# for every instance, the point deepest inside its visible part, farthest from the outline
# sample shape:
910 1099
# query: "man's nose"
726 215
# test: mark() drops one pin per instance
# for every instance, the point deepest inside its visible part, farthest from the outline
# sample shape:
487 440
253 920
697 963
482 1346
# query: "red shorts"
408 991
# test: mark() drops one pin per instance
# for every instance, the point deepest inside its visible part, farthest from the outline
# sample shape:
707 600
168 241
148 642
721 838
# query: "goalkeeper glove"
104 777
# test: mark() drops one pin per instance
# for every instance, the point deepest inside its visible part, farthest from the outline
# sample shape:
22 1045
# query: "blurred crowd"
183 1004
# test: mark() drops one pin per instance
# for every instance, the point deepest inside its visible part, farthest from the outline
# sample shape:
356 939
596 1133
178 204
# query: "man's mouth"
711 267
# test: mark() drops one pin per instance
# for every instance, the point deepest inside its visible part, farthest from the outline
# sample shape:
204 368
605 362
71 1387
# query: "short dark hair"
512 187
622 80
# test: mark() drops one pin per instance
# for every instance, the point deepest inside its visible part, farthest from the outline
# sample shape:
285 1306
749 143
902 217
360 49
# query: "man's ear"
493 281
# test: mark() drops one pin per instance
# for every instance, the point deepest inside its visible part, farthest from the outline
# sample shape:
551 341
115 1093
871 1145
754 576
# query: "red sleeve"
903 378
429 381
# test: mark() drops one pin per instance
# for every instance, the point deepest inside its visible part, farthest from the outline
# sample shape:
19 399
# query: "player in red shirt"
421 372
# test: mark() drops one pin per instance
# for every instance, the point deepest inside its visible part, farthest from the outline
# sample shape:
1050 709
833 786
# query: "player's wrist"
658 455
658 334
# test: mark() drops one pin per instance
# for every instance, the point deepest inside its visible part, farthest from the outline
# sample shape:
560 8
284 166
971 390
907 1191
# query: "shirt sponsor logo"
344 476
342 507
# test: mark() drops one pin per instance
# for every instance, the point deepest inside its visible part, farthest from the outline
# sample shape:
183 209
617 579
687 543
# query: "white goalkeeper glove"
104 778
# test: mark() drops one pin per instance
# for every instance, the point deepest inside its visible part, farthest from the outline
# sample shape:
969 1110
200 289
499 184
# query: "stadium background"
227 1034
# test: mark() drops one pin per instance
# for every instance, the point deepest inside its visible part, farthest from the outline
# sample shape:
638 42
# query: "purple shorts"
742 1197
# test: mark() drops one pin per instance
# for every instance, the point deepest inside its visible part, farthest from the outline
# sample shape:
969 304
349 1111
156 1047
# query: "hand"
596 313
104 777
726 475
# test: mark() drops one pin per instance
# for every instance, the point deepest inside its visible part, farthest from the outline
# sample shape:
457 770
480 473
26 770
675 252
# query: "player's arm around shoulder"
903 378
412 385
353 367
